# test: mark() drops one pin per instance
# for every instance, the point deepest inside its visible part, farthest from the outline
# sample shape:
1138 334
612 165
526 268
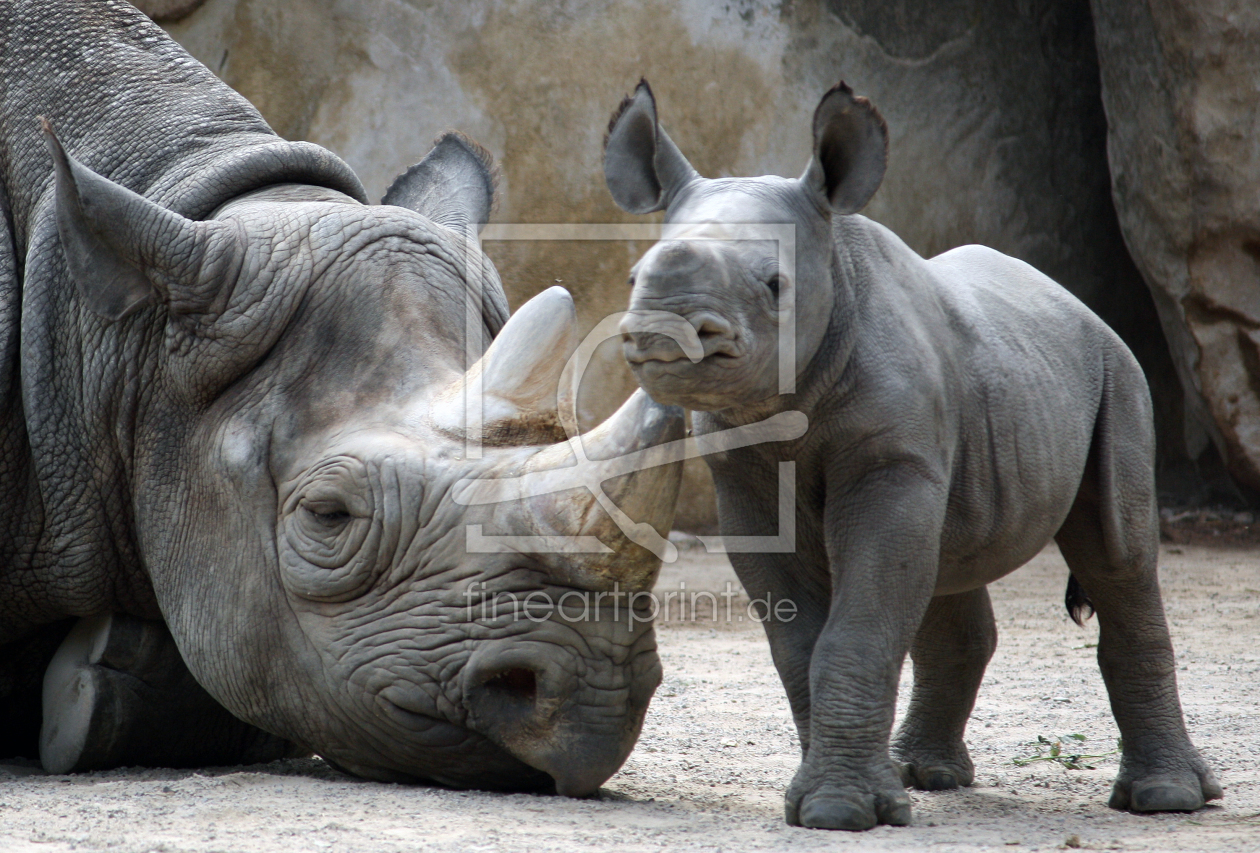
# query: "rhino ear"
643 167
454 185
850 151
122 250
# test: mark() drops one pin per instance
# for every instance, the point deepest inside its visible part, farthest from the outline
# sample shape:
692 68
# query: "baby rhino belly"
1010 494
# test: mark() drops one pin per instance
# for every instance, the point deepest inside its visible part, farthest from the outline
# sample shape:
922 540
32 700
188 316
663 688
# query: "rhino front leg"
883 542
789 578
117 693
950 652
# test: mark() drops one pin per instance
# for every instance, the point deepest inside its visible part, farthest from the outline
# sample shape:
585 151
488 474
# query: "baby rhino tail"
1079 607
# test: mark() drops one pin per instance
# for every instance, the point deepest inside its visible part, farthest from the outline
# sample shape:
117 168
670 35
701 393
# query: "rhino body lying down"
963 411
234 407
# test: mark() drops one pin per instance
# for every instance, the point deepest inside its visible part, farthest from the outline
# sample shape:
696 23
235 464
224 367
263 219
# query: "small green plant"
1059 749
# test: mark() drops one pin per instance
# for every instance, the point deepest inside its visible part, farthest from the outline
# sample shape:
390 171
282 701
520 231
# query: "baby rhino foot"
1178 789
815 802
935 769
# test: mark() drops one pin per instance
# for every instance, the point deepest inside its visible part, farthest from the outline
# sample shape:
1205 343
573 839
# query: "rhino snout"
526 698
665 336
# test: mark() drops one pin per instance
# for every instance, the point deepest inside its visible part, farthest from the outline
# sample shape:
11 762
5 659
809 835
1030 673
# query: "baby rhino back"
1034 369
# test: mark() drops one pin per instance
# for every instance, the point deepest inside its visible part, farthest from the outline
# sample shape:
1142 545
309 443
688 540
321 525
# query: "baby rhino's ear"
850 151
642 166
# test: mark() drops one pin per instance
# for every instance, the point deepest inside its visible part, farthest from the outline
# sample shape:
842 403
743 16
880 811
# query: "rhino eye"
328 514
331 532
773 283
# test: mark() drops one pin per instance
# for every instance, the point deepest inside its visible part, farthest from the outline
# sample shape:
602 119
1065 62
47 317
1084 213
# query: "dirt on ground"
1219 527
718 750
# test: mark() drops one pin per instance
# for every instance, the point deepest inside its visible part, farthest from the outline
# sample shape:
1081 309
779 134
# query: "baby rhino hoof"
1177 792
815 804
934 777
1159 795
933 766
854 813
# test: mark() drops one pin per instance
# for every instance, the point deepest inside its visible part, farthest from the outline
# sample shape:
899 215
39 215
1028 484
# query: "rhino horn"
615 506
125 252
509 396
633 512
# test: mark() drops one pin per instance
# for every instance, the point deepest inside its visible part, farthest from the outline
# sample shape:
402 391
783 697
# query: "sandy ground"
718 750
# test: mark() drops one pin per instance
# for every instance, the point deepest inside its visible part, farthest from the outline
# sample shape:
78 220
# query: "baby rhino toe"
853 813
1168 792
822 811
934 777
1160 796
935 769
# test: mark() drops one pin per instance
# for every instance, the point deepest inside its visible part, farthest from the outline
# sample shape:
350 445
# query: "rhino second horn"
509 396
633 511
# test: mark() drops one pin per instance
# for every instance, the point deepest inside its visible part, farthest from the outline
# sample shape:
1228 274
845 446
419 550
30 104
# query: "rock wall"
997 129
1180 86
168 11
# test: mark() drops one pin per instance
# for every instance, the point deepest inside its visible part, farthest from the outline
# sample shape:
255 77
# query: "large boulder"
997 129
1179 86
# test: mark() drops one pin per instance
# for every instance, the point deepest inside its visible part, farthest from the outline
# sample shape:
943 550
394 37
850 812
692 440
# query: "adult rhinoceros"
234 402
963 411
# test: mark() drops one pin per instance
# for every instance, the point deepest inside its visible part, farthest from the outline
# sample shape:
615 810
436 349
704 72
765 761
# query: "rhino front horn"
633 512
598 507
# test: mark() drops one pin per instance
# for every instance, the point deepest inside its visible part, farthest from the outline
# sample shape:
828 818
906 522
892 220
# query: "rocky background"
1113 147
1181 87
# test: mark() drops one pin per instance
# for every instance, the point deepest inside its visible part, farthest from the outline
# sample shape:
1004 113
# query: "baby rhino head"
734 300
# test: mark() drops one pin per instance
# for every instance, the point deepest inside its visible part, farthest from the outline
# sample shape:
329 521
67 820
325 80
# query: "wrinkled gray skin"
963 411
219 375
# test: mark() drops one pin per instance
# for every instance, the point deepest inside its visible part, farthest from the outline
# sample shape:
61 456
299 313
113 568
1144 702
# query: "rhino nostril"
518 683
629 325
712 326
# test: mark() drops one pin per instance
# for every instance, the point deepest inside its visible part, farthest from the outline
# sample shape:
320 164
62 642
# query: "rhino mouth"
529 780
683 367
703 385
423 749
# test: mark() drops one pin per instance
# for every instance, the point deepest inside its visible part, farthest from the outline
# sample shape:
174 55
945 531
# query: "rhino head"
712 300
309 450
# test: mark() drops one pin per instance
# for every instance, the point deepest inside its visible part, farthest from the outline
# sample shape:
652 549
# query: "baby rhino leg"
1110 540
950 652
117 693
1160 770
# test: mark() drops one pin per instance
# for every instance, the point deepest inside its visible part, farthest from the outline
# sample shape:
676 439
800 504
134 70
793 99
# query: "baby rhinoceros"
963 411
